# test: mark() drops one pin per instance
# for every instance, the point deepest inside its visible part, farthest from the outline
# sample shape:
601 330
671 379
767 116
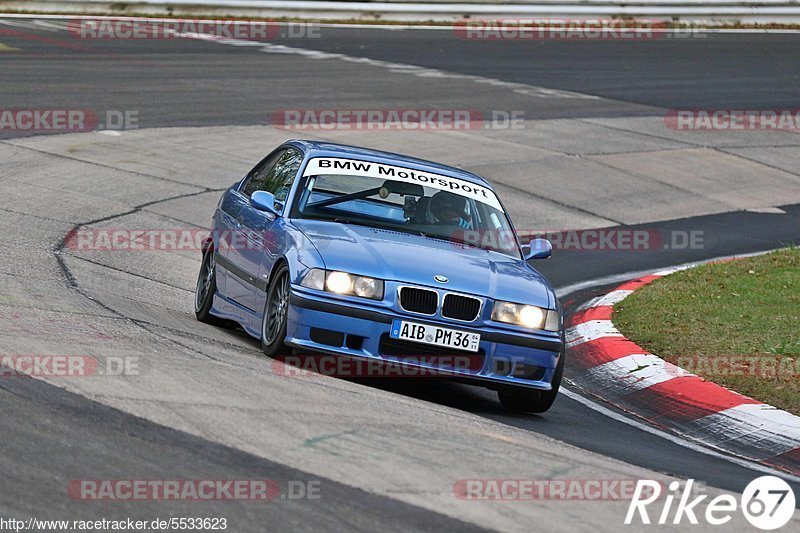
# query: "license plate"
435 335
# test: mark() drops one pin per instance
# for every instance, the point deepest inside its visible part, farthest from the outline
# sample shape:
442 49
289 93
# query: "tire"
206 288
525 400
276 307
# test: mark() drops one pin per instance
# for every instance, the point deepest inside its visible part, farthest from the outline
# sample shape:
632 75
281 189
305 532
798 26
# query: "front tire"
276 310
206 288
525 400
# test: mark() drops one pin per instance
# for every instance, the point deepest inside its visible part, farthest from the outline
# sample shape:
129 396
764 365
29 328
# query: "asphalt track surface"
230 85
51 435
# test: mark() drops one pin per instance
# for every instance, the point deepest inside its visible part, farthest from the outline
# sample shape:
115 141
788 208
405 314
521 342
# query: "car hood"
404 257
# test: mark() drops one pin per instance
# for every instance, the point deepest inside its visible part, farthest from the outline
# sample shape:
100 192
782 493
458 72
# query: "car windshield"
447 208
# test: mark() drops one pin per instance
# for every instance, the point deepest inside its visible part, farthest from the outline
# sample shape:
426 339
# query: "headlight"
339 282
343 283
368 287
528 316
314 279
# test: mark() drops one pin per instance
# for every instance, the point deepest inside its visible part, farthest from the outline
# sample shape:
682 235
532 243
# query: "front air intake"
422 301
460 307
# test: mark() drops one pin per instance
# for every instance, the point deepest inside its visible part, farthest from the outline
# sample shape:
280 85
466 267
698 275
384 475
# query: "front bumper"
361 331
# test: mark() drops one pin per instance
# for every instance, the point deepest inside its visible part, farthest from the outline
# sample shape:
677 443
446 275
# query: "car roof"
328 149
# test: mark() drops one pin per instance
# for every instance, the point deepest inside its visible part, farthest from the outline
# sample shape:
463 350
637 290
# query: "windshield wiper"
342 220
378 226
447 238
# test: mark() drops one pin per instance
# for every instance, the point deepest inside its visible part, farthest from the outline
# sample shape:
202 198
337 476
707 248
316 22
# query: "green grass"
735 323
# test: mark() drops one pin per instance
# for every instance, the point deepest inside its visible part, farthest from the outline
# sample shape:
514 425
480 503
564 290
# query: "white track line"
396 68
566 290
27 25
49 26
673 438
768 430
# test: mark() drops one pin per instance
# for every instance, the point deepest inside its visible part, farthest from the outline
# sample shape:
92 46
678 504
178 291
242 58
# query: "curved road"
592 152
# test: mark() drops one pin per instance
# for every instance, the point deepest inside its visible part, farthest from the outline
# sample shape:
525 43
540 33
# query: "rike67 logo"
767 503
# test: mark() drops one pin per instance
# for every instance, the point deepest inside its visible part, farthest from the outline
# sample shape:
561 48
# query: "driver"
450 208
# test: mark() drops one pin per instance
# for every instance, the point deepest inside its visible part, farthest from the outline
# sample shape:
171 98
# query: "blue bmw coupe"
355 253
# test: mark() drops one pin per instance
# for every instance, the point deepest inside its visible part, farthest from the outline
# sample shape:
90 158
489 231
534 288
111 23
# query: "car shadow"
451 393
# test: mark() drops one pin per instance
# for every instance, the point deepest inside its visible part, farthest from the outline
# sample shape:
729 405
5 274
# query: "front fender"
295 249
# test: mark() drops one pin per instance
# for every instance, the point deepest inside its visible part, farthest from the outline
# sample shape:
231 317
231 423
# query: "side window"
280 178
275 175
259 175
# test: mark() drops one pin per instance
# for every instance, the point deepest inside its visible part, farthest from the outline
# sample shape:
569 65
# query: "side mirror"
264 201
539 249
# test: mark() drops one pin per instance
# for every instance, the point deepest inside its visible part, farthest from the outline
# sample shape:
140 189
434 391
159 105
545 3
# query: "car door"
273 233
225 225
239 282
259 230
